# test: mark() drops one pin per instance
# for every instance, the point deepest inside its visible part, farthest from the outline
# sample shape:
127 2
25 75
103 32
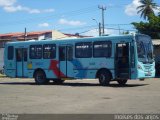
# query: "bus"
106 58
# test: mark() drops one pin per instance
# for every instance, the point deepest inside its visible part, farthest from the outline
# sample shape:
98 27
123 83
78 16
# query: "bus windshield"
144 49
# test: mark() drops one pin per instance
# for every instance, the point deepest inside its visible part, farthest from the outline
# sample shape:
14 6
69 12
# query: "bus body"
106 57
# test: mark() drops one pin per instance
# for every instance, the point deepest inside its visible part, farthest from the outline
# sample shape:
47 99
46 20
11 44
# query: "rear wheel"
122 81
104 77
40 77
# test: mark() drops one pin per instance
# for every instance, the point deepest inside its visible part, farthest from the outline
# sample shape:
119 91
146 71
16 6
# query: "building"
156 43
37 35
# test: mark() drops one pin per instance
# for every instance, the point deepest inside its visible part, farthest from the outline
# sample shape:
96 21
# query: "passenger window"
69 53
83 50
25 54
62 53
18 55
10 52
102 49
35 52
49 51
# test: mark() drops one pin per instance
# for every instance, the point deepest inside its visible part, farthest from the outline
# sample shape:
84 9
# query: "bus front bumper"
146 74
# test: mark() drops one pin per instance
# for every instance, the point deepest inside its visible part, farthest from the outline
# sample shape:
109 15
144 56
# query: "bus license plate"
148 74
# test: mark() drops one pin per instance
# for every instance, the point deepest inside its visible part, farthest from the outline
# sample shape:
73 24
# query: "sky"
68 16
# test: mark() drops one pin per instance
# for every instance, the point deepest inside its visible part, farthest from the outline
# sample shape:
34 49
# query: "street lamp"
99 26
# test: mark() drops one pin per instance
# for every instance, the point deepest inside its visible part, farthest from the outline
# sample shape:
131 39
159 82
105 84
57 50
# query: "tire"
104 77
40 77
122 82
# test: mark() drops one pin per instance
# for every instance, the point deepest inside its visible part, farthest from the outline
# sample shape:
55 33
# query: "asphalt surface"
79 97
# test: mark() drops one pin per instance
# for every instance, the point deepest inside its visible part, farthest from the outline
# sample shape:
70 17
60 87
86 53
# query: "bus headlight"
139 67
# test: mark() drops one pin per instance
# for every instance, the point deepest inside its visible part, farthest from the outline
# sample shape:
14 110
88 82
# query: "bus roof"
73 40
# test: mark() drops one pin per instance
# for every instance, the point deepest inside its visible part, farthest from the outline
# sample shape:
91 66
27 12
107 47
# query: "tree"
151 28
146 8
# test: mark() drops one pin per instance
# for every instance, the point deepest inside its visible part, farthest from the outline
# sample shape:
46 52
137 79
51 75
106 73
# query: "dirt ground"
79 96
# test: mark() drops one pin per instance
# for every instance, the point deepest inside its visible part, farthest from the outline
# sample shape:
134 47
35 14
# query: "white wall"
1 58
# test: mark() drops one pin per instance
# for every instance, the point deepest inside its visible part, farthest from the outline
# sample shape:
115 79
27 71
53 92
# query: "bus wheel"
104 78
40 77
122 81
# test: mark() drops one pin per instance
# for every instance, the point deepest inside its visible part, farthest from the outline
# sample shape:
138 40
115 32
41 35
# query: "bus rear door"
21 62
122 61
65 61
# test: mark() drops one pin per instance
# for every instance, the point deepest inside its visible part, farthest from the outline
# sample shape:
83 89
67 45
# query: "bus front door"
122 66
21 62
65 61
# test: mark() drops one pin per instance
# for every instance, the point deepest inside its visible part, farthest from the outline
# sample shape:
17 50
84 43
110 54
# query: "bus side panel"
87 68
48 66
50 74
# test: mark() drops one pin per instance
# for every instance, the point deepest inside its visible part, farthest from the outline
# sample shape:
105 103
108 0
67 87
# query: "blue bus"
108 58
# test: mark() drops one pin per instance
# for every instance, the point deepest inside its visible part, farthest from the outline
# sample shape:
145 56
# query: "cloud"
72 22
4 3
95 32
157 10
10 6
43 25
131 9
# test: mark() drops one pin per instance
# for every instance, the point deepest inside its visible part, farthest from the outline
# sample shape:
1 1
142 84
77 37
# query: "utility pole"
99 26
25 34
103 8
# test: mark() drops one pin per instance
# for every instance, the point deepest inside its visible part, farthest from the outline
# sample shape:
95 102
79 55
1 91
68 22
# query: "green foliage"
146 8
151 28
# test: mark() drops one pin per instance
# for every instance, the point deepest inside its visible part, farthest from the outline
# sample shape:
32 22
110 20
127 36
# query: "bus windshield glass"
144 49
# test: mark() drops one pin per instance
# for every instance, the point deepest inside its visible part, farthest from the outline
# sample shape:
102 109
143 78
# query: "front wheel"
122 81
104 78
40 77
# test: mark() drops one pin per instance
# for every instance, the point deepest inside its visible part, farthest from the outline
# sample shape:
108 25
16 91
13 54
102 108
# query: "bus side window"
69 53
62 53
25 54
35 52
83 50
49 51
102 49
10 52
19 55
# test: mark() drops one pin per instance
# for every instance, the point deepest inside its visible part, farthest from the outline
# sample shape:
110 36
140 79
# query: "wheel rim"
102 78
39 77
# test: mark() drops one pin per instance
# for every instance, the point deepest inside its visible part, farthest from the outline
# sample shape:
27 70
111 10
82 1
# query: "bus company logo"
9 117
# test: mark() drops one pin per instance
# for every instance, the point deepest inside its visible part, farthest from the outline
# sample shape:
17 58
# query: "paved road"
80 96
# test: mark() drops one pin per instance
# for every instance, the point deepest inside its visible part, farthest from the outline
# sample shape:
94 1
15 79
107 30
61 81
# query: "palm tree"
146 8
